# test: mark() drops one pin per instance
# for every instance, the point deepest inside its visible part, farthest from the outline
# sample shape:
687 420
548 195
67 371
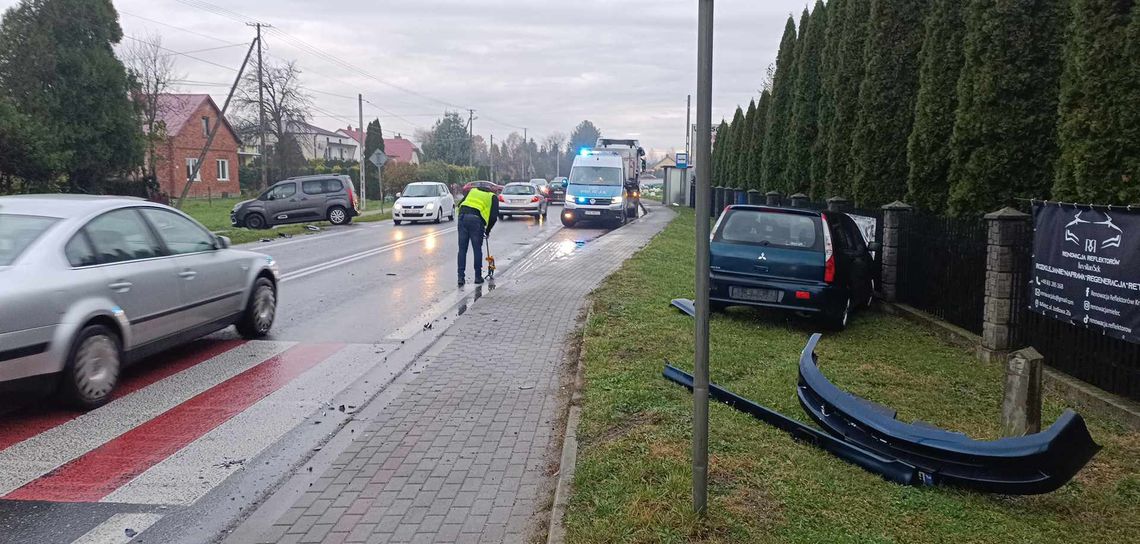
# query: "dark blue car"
805 261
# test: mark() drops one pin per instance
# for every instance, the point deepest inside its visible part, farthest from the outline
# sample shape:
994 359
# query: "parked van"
299 200
595 189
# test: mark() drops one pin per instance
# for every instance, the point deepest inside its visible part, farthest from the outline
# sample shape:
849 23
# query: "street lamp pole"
703 145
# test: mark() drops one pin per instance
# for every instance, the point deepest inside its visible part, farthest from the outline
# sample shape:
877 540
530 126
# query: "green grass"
215 215
633 480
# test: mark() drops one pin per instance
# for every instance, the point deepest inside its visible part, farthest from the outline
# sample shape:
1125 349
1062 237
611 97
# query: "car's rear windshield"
421 190
774 229
17 232
518 190
595 175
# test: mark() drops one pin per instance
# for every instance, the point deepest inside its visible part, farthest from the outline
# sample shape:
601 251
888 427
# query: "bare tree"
152 71
286 105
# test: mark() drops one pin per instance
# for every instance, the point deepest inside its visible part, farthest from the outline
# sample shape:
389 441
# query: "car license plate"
755 295
592 212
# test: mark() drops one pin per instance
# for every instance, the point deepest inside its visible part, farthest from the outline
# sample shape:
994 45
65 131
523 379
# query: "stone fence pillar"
838 204
799 200
1021 396
893 218
1009 233
773 198
755 197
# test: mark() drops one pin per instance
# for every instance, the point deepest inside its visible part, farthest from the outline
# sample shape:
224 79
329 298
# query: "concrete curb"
1074 391
569 461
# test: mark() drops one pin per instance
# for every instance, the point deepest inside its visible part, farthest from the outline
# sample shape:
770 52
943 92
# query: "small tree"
151 73
852 49
783 84
805 105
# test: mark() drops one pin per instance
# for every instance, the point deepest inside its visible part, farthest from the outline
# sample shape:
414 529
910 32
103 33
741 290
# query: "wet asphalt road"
366 288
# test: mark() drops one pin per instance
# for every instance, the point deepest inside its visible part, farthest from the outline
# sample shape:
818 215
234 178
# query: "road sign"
378 158
682 160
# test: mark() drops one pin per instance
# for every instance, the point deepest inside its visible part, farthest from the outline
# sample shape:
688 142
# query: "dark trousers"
471 229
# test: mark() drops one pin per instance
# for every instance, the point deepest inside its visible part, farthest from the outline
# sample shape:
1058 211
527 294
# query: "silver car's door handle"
121 286
187 274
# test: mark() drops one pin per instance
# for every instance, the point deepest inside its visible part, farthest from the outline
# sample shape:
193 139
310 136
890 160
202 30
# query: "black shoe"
462 282
479 281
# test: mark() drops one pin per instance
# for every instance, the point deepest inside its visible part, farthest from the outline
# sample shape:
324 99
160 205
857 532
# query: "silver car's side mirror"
223 242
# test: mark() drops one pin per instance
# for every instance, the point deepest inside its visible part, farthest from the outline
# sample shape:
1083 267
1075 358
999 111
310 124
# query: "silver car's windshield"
595 175
518 190
421 190
17 232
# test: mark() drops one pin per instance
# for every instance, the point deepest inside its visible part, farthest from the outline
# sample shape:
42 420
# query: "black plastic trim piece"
1024 465
890 469
24 351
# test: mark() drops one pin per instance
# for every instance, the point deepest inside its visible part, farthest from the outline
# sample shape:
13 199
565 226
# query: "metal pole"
491 152
470 137
261 112
362 160
689 127
704 181
214 131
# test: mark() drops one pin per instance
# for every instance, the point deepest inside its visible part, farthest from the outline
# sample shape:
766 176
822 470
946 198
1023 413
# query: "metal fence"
942 267
1108 363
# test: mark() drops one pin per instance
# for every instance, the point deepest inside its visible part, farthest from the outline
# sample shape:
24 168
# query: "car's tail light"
828 253
352 197
803 295
501 199
535 199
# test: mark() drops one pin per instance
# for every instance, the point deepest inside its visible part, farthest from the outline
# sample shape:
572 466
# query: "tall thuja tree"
886 101
744 148
1099 127
845 99
805 104
58 68
732 159
719 153
776 124
928 150
1005 135
828 83
756 150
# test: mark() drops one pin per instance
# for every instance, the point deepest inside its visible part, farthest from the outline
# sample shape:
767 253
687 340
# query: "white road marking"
25 461
115 529
193 471
308 271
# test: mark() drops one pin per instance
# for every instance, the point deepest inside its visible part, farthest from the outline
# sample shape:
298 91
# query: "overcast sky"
626 65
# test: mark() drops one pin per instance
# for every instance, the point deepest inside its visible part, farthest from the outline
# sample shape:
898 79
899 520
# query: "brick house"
187 120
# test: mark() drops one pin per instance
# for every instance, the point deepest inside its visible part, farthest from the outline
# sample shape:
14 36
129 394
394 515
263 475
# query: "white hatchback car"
424 201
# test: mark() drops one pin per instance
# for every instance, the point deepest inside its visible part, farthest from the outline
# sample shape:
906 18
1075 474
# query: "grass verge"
633 479
215 215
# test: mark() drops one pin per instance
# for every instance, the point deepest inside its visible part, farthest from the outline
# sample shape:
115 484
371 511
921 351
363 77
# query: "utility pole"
491 152
704 183
471 137
689 126
526 151
214 131
261 107
363 159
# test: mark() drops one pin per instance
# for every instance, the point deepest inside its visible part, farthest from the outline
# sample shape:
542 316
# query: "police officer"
477 215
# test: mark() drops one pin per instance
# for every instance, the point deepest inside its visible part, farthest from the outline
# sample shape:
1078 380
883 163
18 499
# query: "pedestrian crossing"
179 426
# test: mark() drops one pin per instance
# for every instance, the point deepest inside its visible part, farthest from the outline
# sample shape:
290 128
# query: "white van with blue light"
595 189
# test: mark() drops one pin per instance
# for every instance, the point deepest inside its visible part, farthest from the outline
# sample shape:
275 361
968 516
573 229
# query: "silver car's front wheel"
260 311
93 369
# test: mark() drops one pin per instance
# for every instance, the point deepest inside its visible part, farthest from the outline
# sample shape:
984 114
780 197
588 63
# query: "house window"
190 164
223 170
205 126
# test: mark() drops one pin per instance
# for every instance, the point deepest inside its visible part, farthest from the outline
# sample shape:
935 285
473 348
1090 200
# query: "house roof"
355 134
175 110
400 149
301 127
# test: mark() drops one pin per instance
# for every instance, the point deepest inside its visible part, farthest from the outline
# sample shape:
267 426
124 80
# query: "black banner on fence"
1086 268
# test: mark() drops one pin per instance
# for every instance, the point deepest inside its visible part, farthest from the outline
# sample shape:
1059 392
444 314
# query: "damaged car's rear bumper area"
1024 465
868 435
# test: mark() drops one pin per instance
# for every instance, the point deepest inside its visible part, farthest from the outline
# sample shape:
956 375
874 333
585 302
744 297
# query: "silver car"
521 198
90 284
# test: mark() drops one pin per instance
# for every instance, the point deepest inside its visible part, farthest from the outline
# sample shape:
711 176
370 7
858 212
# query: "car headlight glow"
429 206
397 206
617 199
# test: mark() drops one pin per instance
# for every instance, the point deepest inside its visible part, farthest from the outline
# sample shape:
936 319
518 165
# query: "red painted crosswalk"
92 473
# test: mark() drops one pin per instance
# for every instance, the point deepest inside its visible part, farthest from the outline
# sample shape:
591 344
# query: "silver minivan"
90 284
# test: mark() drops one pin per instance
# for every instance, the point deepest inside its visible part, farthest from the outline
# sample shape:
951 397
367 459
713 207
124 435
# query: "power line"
186 30
183 52
189 56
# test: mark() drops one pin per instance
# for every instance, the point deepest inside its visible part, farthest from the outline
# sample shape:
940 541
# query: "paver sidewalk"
463 453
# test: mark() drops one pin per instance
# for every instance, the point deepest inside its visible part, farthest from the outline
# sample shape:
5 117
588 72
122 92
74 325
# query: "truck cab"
595 189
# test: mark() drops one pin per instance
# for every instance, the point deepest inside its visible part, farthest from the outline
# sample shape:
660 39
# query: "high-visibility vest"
480 201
